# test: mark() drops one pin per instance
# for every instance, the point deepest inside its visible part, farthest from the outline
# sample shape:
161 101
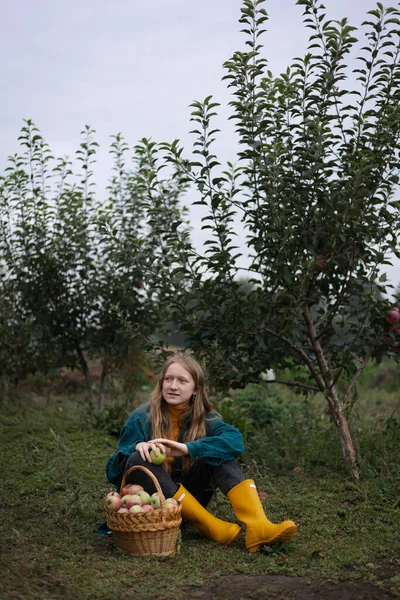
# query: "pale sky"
134 66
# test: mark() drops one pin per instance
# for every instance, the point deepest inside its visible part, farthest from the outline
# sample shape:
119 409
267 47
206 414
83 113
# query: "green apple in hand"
157 459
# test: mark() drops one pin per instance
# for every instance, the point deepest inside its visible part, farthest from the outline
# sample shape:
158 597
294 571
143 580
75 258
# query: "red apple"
123 510
145 497
393 315
321 261
171 503
113 503
113 494
133 500
134 489
125 489
147 507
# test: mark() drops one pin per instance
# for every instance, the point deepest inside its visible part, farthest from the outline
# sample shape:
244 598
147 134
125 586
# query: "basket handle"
152 477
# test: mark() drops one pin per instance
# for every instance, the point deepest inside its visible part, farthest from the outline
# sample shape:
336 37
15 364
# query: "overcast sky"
133 66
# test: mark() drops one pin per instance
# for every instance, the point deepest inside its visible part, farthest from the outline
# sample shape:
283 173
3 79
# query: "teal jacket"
222 443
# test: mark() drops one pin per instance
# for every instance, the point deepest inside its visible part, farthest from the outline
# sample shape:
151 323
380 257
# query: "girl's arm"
135 430
170 447
223 443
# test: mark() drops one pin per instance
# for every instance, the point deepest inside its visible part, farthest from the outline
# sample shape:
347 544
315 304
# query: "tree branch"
317 348
305 357
303 386
356 376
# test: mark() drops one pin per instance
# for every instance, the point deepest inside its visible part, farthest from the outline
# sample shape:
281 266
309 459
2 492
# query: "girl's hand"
144 449
173 448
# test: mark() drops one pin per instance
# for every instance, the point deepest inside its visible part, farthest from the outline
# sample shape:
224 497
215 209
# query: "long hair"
196 413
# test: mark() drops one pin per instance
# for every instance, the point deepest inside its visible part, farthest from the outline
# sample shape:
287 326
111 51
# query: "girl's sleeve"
223 442
135 430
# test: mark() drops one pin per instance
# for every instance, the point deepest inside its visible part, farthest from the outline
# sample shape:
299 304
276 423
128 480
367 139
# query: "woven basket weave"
146 533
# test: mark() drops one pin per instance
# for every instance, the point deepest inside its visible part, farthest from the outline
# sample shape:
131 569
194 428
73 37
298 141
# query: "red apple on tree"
393 315
321 262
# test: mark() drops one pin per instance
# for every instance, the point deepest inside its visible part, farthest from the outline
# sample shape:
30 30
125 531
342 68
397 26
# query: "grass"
52 485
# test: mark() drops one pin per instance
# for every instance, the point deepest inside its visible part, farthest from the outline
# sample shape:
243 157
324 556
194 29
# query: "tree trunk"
100 399
326 384
349 452
5 386
85 371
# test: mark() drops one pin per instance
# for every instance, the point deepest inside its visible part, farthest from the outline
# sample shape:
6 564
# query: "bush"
283 430
110 419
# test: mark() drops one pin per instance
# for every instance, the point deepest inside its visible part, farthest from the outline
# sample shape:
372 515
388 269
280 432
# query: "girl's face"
178 386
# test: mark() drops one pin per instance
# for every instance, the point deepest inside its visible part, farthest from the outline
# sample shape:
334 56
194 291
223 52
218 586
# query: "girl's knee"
134 460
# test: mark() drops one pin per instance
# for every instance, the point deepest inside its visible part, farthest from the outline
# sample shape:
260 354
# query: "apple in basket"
147 507
134 500
134 489
136 508
125 490
113 494
113 503
171 503
127 500
123 510
155 500
145 497
123 500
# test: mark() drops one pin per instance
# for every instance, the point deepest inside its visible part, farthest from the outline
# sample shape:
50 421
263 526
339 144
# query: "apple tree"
314 188
129 241
46 241
65 284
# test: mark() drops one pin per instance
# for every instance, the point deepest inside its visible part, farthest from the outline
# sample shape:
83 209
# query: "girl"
201 451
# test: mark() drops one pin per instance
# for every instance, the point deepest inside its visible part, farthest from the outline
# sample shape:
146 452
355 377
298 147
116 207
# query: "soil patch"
278 587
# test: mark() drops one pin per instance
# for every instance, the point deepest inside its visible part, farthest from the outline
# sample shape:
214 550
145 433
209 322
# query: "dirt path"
276 587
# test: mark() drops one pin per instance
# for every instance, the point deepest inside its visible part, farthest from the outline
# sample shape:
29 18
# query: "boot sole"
283 536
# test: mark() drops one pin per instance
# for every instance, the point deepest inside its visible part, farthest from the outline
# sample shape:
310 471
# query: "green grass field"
53 483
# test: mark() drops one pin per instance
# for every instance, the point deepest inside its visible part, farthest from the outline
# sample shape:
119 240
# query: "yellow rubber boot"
249 510
210 526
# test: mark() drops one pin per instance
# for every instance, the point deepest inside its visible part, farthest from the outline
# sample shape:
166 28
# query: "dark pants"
201 481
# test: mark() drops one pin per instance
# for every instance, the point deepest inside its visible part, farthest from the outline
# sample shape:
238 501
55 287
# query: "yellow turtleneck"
174 414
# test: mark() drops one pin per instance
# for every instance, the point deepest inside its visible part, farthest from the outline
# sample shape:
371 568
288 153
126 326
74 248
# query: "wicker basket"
146 533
